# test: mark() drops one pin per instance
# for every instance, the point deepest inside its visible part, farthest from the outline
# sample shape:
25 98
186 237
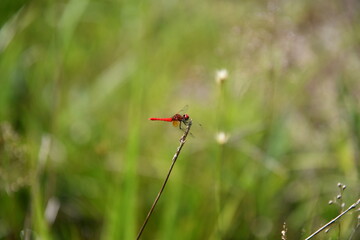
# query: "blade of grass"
176 155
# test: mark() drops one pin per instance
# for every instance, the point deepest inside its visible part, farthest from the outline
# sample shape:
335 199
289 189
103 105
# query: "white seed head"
221 76
222 138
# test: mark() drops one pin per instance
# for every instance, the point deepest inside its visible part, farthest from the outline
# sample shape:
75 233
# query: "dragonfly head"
186 117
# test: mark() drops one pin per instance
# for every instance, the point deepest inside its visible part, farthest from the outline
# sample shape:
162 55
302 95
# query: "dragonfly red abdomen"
162 119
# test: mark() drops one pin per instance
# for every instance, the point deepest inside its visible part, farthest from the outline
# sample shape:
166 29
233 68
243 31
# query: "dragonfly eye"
186 117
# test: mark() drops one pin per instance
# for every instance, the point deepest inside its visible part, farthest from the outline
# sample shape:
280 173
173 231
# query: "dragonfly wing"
175 123
183 110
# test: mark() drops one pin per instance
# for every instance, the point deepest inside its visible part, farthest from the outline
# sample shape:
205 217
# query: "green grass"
86 75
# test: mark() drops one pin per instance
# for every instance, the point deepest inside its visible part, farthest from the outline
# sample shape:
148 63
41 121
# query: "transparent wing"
183 110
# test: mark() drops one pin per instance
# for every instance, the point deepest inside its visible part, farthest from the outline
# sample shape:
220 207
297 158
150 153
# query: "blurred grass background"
79 78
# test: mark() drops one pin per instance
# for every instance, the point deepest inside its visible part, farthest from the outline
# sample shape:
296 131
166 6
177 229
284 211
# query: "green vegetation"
80 78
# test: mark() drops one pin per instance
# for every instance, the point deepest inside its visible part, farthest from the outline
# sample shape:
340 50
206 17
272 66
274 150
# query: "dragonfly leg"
181 127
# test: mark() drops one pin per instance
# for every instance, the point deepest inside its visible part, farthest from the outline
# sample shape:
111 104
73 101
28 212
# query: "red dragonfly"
176 120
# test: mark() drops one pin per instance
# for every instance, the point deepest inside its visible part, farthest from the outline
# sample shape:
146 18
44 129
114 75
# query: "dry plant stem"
334 220
177 153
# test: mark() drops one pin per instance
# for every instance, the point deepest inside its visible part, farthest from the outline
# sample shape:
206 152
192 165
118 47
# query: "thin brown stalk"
334 220
176 155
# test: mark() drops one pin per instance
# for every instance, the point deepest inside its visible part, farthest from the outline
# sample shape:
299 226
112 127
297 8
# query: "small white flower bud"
222 138
221 76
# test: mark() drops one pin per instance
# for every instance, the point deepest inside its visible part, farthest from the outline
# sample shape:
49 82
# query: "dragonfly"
177 119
